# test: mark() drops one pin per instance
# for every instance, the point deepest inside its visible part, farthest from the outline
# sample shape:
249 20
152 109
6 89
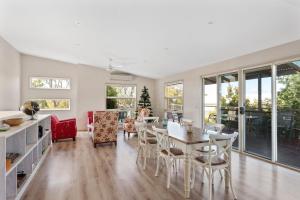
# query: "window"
174 96
54 104
50 83
121 97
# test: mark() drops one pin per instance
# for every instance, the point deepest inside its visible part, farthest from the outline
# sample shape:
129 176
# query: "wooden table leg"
187 173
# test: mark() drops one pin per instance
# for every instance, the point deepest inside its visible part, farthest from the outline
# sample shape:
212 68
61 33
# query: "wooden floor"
76 170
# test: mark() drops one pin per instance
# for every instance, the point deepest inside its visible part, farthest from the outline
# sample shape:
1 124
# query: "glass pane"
229 97
53 104
175 104
210 100
174 90
121 91
174 96
258 94
122 104
60 84
50 83
288 113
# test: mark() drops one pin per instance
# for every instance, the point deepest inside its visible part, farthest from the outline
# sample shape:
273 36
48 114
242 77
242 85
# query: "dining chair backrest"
223 142
139 125
151 119
141 128
185 121
214 128
173 127
162 137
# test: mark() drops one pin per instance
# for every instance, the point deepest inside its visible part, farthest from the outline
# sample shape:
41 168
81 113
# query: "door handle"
242 110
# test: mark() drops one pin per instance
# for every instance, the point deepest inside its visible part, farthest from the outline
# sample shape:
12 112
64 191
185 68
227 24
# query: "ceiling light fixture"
77 23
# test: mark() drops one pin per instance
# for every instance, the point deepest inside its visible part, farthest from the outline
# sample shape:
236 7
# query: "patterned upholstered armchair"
105 127
129 126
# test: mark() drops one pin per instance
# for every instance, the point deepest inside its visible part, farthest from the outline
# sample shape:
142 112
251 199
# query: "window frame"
58 109
166 84
47 77
120 85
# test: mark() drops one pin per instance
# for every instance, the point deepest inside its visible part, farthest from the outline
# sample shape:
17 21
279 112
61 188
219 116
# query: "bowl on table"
14 121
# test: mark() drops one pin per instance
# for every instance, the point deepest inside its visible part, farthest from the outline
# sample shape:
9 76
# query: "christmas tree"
144 101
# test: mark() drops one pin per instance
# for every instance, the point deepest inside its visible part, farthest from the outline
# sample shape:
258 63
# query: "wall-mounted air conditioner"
121 77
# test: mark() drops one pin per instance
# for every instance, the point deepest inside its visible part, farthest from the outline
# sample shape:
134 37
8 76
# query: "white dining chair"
218 160
204 151
164 151
146 145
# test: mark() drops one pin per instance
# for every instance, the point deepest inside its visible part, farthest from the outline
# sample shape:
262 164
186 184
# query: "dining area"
201 154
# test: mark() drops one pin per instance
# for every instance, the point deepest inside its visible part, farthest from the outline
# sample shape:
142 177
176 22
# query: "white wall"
9 77
192 78
87 85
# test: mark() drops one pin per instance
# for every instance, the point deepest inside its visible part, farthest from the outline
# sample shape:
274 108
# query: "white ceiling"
152 38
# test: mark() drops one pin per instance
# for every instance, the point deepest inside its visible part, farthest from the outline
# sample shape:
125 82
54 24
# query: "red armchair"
63 129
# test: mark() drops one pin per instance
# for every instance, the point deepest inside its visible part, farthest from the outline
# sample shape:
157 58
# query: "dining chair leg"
145 156
210 184
221 175
157 165
212 177
138 154
168 174
230 183
202 175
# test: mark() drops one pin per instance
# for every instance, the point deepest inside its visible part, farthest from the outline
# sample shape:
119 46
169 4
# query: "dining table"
187 139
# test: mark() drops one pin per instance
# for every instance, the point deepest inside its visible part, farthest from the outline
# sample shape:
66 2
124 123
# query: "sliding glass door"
268 120
229 103
288 113
257 117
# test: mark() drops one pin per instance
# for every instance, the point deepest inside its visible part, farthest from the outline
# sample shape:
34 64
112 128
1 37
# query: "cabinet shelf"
23 140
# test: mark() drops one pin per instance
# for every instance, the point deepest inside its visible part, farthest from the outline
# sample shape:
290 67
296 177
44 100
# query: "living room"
133 98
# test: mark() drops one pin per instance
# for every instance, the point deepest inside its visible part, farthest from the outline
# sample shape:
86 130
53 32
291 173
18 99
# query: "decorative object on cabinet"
30 108
4 127
14 121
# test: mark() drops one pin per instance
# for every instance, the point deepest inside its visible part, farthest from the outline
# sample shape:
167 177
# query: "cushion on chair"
204 150
150 141
174 151
151 135
214 161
